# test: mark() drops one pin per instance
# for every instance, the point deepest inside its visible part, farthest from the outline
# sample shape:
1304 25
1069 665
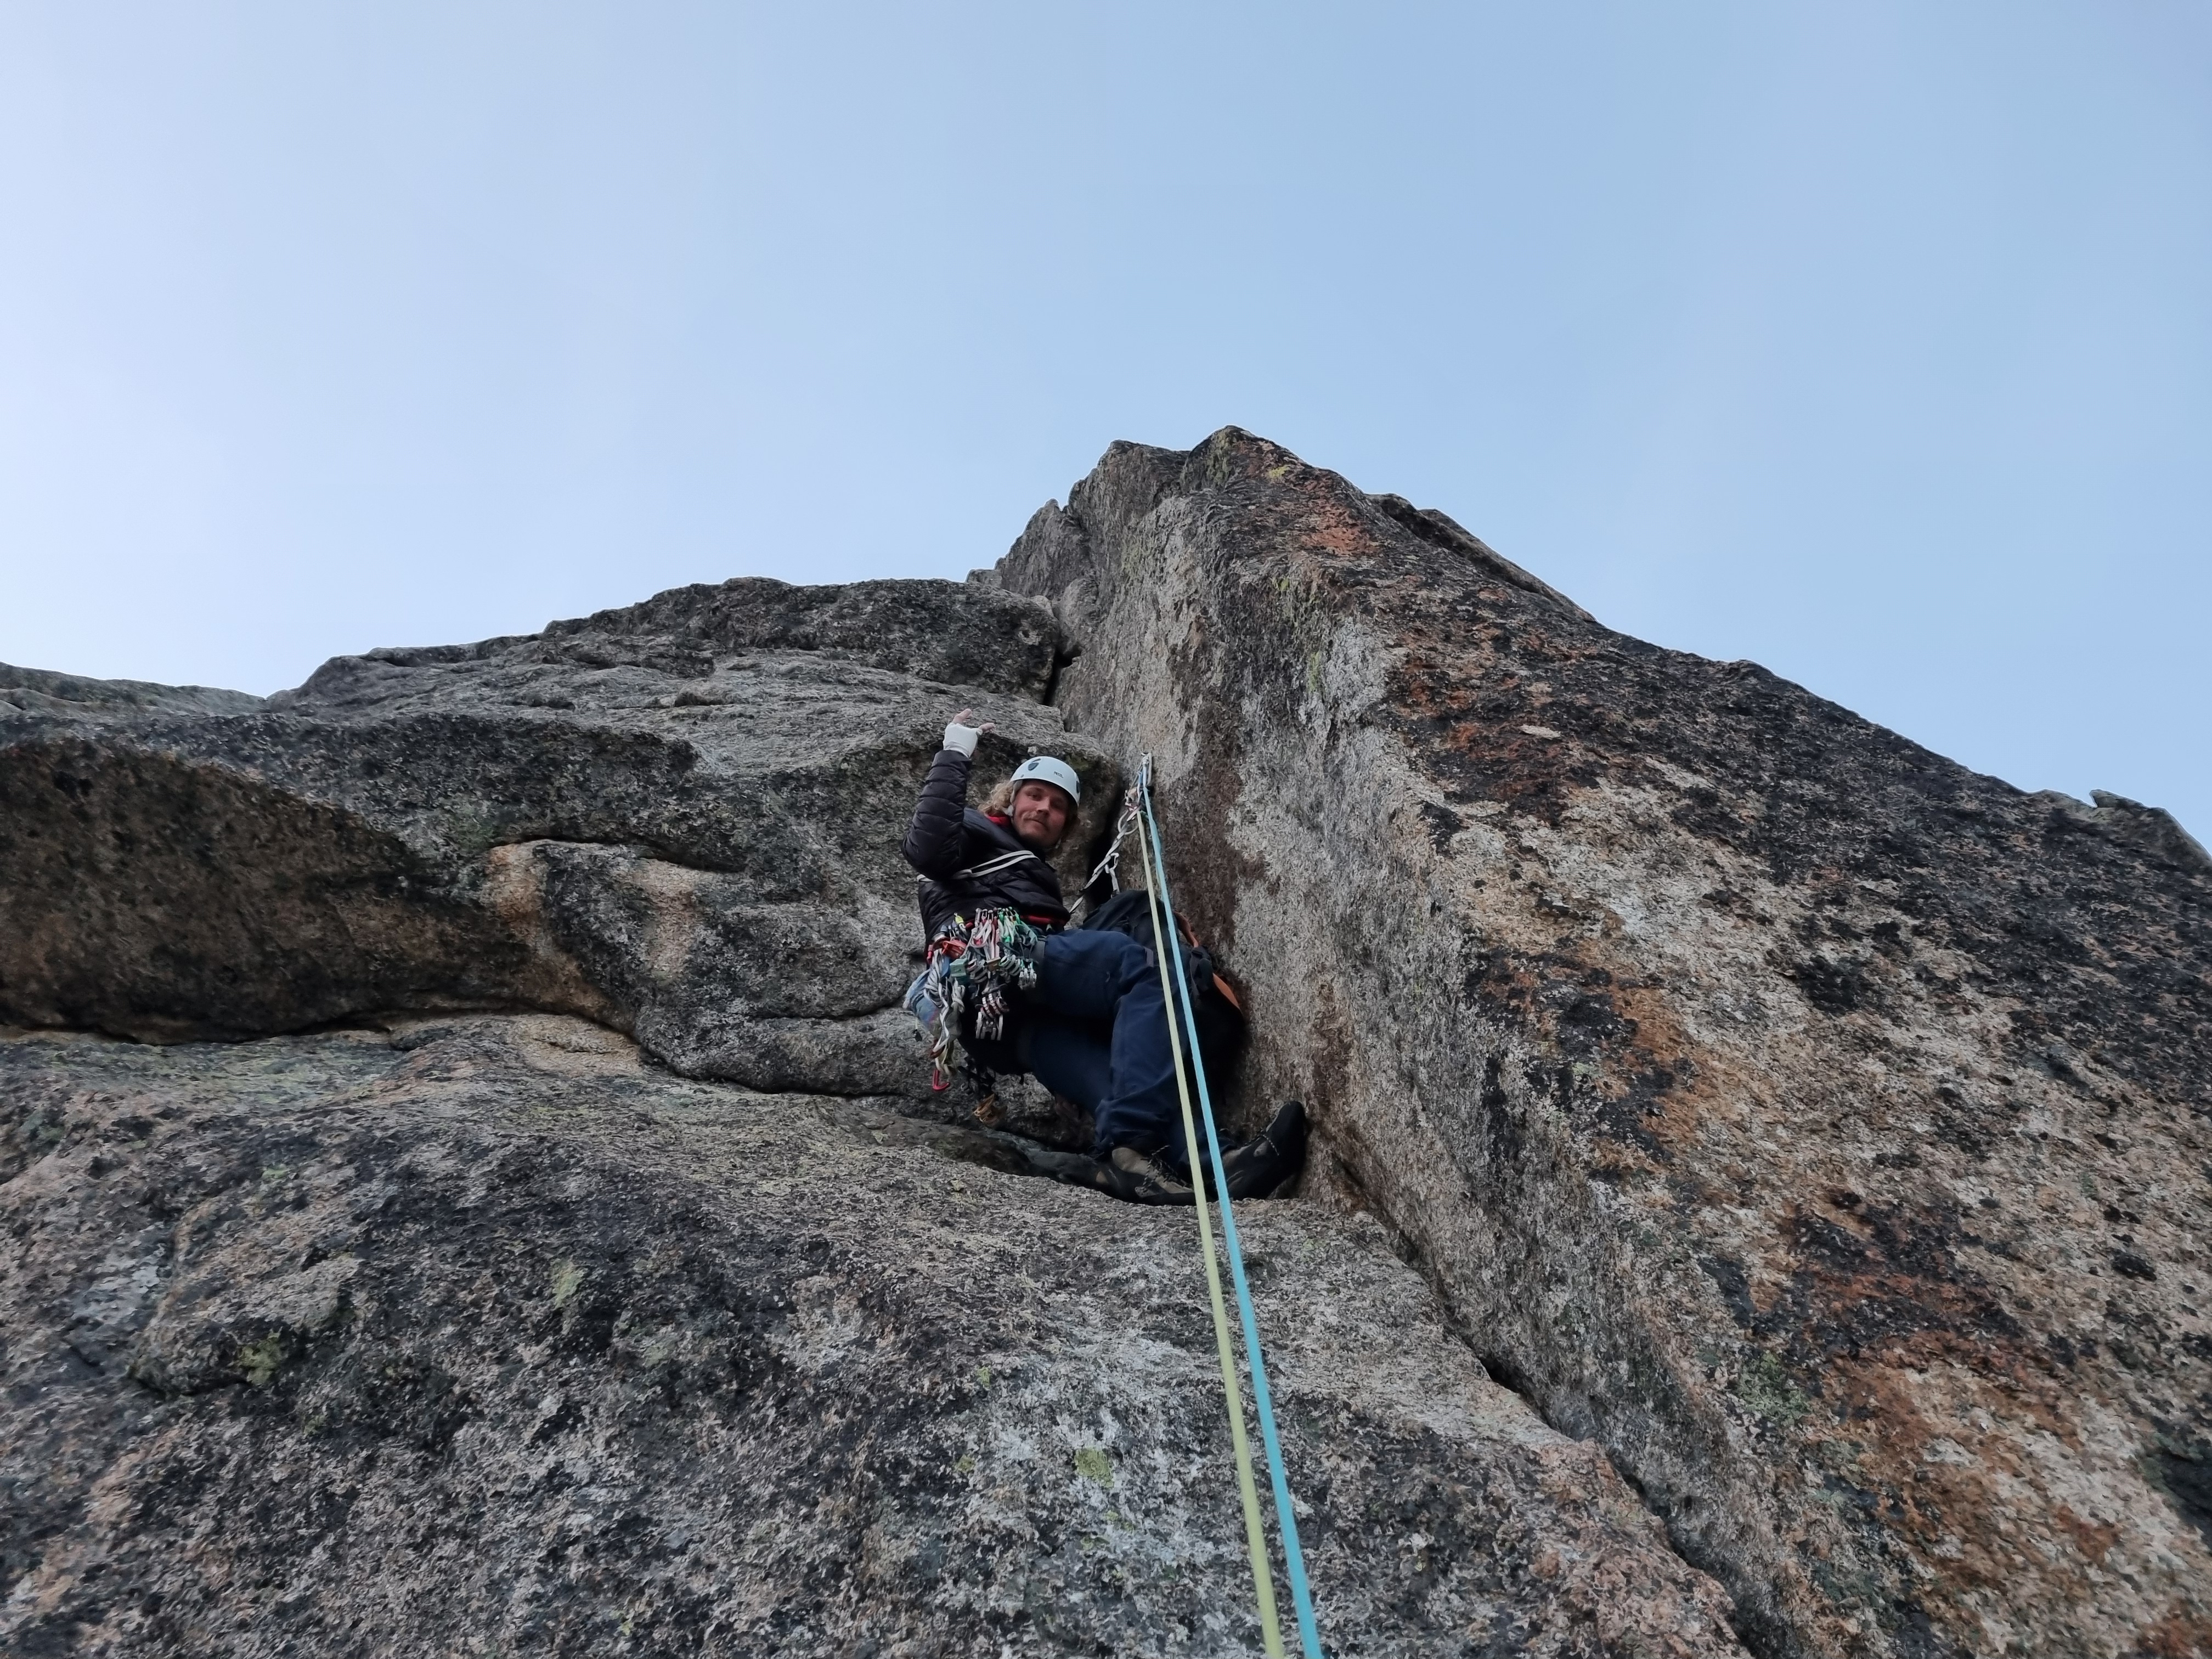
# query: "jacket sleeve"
937 840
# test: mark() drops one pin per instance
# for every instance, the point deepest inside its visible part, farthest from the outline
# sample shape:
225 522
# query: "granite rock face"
584 1272
32 691
679 820
1819 1126
476 1335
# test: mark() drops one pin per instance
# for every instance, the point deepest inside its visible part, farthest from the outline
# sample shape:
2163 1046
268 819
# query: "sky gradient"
1871 341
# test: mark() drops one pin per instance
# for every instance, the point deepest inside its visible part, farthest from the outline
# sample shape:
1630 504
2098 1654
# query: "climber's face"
1041 814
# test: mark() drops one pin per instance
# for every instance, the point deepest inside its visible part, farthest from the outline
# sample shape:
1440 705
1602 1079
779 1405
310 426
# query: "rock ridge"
1815 1123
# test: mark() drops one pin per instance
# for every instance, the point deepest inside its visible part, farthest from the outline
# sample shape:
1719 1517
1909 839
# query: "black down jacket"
948 837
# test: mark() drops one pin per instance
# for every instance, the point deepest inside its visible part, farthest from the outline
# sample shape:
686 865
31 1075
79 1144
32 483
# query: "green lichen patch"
1765 1388
1092 1463
568 1280
260 1361
1839 1457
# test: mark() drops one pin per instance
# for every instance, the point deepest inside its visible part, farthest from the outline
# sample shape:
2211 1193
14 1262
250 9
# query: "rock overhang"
630 816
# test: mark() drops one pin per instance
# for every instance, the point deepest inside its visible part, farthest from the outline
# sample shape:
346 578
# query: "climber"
1093 1029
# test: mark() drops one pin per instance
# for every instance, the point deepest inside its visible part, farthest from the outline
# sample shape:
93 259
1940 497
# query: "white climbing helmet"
1046 770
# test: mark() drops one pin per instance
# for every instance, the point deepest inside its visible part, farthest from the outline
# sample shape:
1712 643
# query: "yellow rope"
1263 1581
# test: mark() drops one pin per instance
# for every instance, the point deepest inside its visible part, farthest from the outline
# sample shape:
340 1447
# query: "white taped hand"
963 738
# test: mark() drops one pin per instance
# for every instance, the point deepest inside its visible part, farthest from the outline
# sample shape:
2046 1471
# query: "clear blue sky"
1872 341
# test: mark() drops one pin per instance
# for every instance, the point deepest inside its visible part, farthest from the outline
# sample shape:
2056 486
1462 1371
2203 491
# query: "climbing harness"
973 962
1294 1567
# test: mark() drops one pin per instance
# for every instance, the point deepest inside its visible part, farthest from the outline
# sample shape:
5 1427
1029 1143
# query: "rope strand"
1294 1565
1256 1535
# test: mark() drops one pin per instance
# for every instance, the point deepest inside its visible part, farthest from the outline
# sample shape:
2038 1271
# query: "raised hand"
962 737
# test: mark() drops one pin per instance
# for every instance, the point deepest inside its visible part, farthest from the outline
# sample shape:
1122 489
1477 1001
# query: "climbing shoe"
1143 1179
1263 1163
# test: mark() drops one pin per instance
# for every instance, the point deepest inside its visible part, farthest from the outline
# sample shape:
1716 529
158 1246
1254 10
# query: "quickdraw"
1111 865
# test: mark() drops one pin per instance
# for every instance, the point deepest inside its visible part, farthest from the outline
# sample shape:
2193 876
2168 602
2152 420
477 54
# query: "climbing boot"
1265 1163
1143 1179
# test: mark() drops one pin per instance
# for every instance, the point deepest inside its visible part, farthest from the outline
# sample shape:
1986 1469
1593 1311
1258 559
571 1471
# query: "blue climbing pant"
1095 1031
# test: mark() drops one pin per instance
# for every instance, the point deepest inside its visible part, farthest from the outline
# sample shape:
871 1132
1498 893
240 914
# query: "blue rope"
1294 1563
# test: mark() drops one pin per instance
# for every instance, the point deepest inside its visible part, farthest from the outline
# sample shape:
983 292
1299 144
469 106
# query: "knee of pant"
1136 967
